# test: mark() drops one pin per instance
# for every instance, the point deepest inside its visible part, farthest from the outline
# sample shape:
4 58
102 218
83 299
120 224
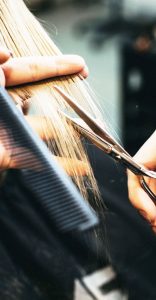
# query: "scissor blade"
90 121
101 138
85 131
122 158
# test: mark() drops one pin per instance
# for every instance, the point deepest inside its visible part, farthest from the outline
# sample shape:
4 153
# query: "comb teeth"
53 190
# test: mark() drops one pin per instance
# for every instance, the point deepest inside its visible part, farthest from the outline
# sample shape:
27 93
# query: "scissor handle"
147 189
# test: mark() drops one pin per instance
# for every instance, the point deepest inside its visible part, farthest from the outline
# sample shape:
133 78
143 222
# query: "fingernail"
84 72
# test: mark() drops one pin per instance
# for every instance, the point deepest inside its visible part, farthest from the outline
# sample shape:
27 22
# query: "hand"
147 157
15 71
20 70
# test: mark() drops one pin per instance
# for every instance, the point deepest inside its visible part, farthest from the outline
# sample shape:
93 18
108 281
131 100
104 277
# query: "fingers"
30 69
41 126
72 166
147 154
4 56
84 72
141 200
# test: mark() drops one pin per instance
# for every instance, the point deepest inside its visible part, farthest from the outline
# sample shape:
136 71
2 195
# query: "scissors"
99 136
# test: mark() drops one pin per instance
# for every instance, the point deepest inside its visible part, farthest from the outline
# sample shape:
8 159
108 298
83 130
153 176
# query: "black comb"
54 192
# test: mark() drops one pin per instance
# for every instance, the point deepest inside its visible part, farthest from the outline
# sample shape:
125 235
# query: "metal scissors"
94 131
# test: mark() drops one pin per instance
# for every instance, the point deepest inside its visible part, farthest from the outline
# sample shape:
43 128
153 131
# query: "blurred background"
117 38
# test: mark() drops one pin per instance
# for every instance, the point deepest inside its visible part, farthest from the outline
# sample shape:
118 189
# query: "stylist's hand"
15 71
147 157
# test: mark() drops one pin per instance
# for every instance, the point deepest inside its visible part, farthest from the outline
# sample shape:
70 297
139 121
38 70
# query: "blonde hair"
24 36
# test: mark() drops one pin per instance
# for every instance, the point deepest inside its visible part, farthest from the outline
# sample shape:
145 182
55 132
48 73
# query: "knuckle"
33 71
8 70
57 68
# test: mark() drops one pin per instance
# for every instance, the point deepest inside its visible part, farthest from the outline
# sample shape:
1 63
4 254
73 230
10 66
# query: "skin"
15 71
146 156
30 69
